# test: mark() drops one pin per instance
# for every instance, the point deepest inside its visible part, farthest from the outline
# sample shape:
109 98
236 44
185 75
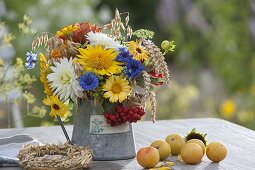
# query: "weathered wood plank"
239 141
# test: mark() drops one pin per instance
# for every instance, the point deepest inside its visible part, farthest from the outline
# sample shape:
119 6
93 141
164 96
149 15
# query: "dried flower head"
157 59
117 27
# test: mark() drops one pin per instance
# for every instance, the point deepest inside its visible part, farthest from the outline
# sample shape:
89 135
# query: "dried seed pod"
122 26
126 20
117 15
109 26
158 60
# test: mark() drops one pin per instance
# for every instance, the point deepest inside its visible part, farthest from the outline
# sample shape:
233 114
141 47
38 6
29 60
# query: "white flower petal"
63 80
99 38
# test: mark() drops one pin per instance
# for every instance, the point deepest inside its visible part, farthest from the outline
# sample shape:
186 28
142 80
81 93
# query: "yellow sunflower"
99 60
117 89
138 51
43 68
67 30
58 108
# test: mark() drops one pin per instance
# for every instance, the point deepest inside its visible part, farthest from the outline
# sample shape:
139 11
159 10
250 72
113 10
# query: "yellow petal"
113 98
122 96
108 94
83 52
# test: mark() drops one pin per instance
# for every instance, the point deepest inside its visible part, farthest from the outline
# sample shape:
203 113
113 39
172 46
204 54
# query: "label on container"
99 126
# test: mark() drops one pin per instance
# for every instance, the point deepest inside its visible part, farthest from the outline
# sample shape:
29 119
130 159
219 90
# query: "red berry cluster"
124 114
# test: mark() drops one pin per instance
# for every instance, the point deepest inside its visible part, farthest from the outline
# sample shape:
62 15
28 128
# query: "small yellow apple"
216 151
163 148
148 157
191 153
176 142
199 142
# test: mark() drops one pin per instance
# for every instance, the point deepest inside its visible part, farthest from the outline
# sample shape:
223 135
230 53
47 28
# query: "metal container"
107 143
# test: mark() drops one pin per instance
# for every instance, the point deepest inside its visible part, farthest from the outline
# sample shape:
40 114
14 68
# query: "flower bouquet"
107 73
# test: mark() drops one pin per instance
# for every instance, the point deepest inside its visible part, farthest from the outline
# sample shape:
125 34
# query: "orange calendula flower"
56 53
84 27
77 32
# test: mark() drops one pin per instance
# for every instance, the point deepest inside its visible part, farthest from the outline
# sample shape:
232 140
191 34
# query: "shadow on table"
210 166
213 166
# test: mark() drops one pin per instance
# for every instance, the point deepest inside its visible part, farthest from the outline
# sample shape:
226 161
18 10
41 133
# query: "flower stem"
64 129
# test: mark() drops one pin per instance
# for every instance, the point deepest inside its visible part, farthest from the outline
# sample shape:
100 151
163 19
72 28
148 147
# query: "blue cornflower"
89 81
31 60
133 68
124 55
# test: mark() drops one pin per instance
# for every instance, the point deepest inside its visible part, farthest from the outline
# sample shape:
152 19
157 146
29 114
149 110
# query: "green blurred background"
212 68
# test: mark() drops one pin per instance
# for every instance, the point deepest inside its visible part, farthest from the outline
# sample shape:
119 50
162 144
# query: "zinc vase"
107 143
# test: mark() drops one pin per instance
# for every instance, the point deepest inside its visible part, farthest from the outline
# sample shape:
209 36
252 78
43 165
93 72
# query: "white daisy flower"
64 81
99 38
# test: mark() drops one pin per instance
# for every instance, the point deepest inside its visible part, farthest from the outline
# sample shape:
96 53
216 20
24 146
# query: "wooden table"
240 142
